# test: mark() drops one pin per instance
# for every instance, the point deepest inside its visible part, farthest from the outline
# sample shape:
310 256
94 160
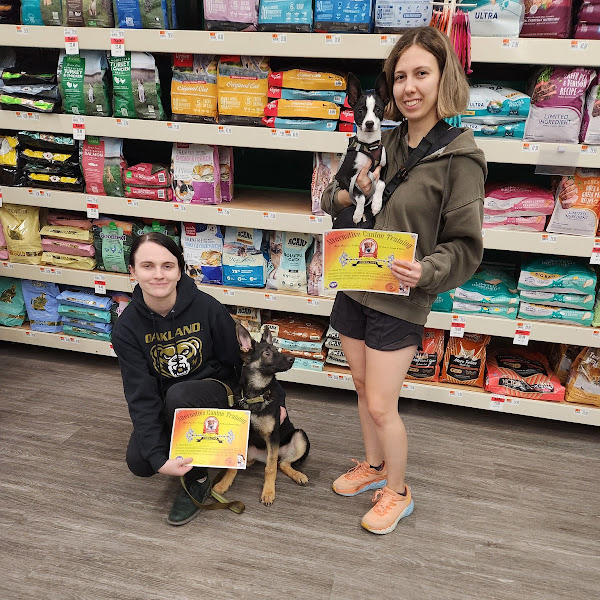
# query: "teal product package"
84 314
86 333
559 274
310 124
308 364
577 301
12 303
244 257
493 310
42 12
280 15
91 325
489 286
288 261
539 312
306 346
42 305
443 302
87 300
489 101
319 95
514 130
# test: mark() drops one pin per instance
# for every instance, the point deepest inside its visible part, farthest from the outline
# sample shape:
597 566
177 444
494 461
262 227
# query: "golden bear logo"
177 360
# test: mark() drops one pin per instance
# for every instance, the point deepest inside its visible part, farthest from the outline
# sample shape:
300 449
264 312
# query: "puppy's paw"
300 478
376 205
357 216
221 487
267 497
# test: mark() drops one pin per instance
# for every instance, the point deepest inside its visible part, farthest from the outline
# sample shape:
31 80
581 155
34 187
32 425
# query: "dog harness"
372 150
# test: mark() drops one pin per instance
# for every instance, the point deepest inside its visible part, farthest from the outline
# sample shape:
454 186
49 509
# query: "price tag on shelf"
29 333
333 39
133 281
271 297
596 333
529 147
21 30
78 128
39 193
312 302
117 43
285 133
50 271
409 387
229 293
548 238
8 265
581 412
132 202
387 40
457 327
455 393
112 351
595 257
268 215
179 207
585 149
122 122
216 36
166 35
522 333
71 41
223 212
339 377
99 286
279 38
510 43
27 116
315 219
173 126
224 130
69 340
497 402
578 45
92 207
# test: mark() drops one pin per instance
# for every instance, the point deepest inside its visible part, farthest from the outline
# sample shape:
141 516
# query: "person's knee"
140 469
380 410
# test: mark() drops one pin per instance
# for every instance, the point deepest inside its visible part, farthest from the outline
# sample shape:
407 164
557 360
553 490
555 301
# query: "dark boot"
184 509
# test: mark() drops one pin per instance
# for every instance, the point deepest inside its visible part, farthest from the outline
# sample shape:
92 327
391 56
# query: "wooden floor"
505 507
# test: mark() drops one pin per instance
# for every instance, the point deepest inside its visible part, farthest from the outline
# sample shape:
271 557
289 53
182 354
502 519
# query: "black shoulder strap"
436 132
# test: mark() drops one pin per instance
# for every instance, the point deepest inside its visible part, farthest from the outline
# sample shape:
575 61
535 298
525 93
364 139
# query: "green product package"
12 302
443 302
558 274
489 285
113 251
85 314
166 227
86 333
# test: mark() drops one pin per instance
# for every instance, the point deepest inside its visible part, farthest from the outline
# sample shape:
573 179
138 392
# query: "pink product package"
518 200
146 174
514 223
3 246
587 31
67 220
164 194
549 20
589 13
557 105
325 166
196 174
72 248
226 172
590 127
228 15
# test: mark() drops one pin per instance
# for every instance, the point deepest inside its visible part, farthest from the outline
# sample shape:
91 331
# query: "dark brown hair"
162 240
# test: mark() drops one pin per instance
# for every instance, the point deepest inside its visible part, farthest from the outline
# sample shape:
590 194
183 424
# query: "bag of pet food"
89 325
112 240
334 96
196 173
47 142
583 384
136 86
325 166
147 174
303 79
493 310
244 257
561 360
230 15
425 365
162 194
202 247
84 313
491 104
146 14
46 160
514 223
41 305
297 327
307 354
55 246
26 102
514 130
226 172
590 127
577 301
86 333
337 357
3 245
167 228
309 365
557 104
8 160
21 225
75 297
489 285
547 19
68 219
310 109
194 88
306 124
120 303
280 15
344 16
522 373
587 31
63 232
42 12
577 207
72 261
315 270
557 273
9 12
589 12
517 200
305 346
248 317
242 83
102 164
287 261
443 302
488 18
12 303
541 312
464 360
97 13
395 16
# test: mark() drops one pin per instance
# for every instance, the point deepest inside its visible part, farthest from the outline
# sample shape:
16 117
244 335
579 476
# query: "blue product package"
312 124
344 16
86 299
244 257
86 333
12 303
510 130
319 95
127 14
281 15
42 305
31 13
393 16
85 314
82 324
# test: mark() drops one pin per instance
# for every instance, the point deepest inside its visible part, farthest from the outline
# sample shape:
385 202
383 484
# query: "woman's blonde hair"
453 93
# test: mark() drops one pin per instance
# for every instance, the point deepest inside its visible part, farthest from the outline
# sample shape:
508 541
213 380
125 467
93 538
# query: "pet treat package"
297 327
21 225
83 83
9 12
3 246
443 302
541 312
488 18
491 104
522 373
344 16
42 305
242 84
425 365
302 79
558 274
317 95
583 384
230 15
547 19
194 88
494 310
196 174
226 172
325 166
12 303
203 252
42 12
146 14
310 124
557 104
102 164
395 16
112 241
280 15
561 360
577 207
312 109
489 285
517 200
244 261
74 297
8 160
464 360
73 248
577 301
590 127
136 87
510 130
287 261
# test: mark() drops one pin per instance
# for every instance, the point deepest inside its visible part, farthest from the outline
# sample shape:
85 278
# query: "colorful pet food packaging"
65 232
88 325
319 95
102 164
147 174
8 160
425 365
577 301
464 360
9 12
488 18
42 305
344 16
196 174
541 312
136 87
557 104
514 223
146 14
84 313
96 13
21 225
68 219
310 124
12 303
489 285
547 19
112 240
305 346
230 15
561 360
280 15
244 257
226 172
72 248
558 274
72 261
120 303
311 109
194 88
325 166
287 261
42 12
162 194
395 16
583 385
517 200
336 357
74 297
297 327
493 310
242 84
168 228
491 104
315 270
514 130
523 374
587 31
302 79
203 252
577 207
443 302
590 127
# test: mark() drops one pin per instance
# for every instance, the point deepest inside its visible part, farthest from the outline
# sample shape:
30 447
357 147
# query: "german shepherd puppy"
268 443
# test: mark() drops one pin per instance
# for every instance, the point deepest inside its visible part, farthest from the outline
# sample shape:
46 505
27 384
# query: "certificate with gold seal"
213 437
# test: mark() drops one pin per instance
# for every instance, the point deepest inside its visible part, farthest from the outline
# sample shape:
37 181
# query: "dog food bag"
297 327
280 15
541 312
66 183
42 305
28 103
577 207
42 12
522 373
547 19
491 104
194 88
85 298
203 252
83 83
73 13
72 261
136 87
557 104
332 343
48 142
9 12
84 313
309 365
21 225
590 127
558 274
489 285
242 84
196 173
310 124
514 130
583 384
334 96
147 174
344 16
97 13
102 164
587 31
127 14
72 248
325 166
517 200
86 333
320 355
464 360
443 302
63 232
68 219
561 360
337 358
493 310
589 12
169 228
298 345
12 303
488 18
577 301
89 325
287 261
332 334
248 317
302 79
226 172
8 160
244 257
395 16
514 223
149 14
112 241
311 109
425 365
230 15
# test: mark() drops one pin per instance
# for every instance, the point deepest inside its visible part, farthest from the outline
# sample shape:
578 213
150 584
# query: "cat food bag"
394 16
280 15
425 365
226 172
146 14
194 88
311 109
12 303
557 104
102 164
577 301
8 160
9 12
488 18
464 360
547 19
64 232
287 261
21 225
517 200
84 297
84 313
514 223
127 14
72 248
514 130
541 312
202 247
443 302
196 173
561 360
590 127
310 124
315 270
493 310
242 83
3 245
491 104
583 384
57 259
303 79
89 325
230 15
325 166
97 13
558 274
42 12
244 257
577 207
86 333
489 285
41 305
297 327
136 87
334 96
112 240
345 16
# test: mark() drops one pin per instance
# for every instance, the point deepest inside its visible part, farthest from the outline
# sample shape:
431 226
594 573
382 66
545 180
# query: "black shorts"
378 330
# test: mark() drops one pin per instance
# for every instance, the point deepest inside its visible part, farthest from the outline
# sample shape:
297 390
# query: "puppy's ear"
244 338
266 336
353 89
381 88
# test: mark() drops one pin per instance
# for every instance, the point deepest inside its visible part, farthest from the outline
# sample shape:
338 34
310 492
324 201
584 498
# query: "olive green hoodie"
441 201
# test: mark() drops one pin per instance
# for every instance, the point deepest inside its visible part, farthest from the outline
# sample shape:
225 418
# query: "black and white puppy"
368 107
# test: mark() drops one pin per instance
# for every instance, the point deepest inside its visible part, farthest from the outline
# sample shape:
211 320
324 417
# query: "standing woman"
441 201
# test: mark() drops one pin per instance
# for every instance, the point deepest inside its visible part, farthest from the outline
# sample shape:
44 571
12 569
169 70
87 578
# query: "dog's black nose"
369 125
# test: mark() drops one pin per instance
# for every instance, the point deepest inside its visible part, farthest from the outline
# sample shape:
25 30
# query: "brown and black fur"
268 444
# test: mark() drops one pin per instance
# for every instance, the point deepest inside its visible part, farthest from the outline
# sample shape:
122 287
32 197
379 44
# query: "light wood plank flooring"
505 507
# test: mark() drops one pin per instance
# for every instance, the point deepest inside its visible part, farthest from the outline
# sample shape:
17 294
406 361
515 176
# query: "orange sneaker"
360 478
389 508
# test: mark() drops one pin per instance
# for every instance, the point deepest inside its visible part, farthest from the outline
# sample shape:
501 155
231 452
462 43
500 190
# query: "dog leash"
237 506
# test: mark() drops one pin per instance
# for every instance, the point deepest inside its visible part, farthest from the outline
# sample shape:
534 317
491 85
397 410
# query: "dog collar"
231 399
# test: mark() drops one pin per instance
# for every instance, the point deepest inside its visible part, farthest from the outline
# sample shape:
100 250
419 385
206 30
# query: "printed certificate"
213 437
360 259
